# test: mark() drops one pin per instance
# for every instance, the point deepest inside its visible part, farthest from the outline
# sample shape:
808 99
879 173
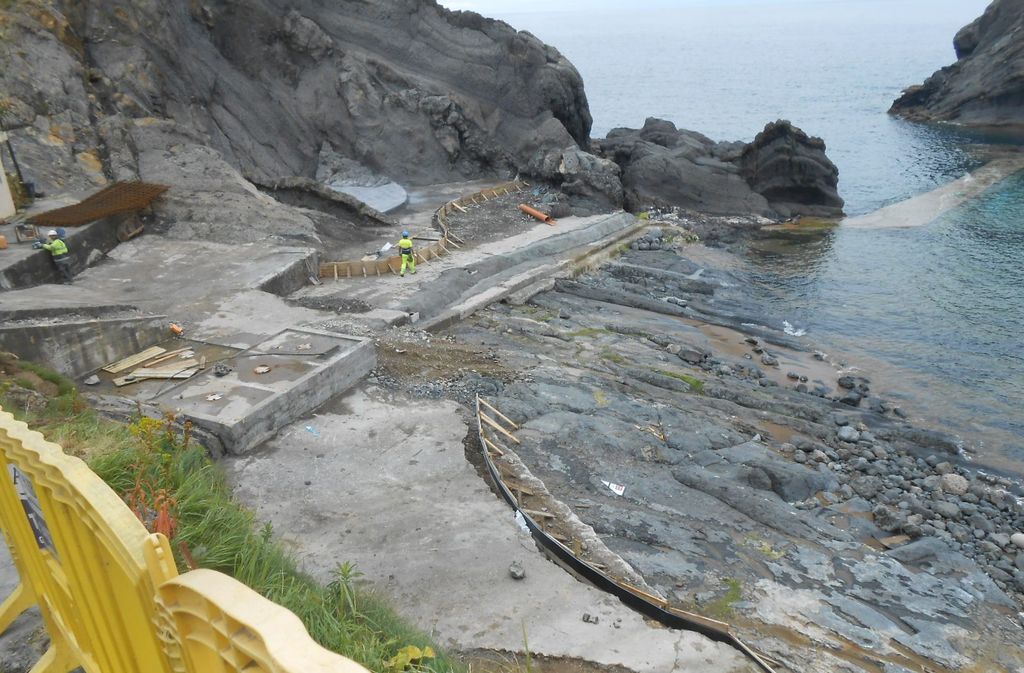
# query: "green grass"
612 356
343 616
721 607
763 546
588 332
696 384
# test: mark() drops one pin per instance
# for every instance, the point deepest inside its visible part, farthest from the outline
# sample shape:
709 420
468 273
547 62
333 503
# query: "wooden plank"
171 366
643 594
523 489
493 446
894 540
459 208
536 514
133 360
132 378
490 422
500 415
166 356
165 373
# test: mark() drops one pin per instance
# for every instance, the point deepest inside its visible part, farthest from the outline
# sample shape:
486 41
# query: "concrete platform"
244 408
451 287
384 483
77 347
222 293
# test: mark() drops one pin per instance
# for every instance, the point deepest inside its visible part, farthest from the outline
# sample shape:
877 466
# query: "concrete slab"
383 482
469 278
924 208
211 289
386 198
244 408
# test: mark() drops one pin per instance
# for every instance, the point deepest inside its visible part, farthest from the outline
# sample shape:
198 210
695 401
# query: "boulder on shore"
784 172
984 87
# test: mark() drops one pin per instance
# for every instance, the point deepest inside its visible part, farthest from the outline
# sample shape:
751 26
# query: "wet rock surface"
782 173
783 512
983 87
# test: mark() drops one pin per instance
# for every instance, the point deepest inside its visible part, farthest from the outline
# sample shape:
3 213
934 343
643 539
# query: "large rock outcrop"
789 169
246 94
405 87
985 87
782 173
218 97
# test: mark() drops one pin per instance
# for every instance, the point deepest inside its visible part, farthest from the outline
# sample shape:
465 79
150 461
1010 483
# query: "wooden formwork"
496 432
379 267
388 265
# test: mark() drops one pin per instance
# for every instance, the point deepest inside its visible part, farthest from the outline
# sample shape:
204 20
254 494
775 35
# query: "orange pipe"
533 212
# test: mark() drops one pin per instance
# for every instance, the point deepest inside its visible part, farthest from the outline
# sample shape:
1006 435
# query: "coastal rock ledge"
984 87
782 173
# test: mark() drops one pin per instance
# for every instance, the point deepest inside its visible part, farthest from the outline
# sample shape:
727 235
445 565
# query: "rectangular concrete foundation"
244 408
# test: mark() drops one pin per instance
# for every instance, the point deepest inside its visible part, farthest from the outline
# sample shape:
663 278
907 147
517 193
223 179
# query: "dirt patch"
491 661
497 218
437 359
332 302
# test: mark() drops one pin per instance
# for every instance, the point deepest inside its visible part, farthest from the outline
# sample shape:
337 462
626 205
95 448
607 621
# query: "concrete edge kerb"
567 267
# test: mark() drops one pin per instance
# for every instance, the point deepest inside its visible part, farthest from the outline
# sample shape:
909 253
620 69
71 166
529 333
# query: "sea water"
934 313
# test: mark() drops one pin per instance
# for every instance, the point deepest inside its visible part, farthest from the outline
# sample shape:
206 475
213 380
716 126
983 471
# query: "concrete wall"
6 202
38 268
296 276
76 348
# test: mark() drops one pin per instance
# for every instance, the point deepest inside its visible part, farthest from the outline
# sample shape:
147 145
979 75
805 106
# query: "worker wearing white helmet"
408 256
58 249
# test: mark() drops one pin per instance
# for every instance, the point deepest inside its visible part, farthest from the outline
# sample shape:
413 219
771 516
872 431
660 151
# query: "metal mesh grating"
120 197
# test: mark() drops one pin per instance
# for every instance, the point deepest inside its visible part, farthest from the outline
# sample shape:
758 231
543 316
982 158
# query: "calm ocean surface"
936 313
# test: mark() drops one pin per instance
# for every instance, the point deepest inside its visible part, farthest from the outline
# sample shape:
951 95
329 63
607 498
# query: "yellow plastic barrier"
108 591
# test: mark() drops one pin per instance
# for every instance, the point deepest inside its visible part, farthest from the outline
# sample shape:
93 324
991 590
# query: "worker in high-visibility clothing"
408 256
58 250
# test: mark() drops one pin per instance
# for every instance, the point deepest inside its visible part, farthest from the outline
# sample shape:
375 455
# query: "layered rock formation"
984 87
250 93
782 173
222 100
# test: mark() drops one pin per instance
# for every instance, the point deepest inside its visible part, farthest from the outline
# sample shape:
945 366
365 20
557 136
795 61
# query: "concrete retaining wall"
76 348
296 276
37 268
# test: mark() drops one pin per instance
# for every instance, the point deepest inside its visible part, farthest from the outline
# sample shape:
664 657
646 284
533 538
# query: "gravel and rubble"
765 484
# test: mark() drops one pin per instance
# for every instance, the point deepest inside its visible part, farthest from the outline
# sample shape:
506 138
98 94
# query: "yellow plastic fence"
109 593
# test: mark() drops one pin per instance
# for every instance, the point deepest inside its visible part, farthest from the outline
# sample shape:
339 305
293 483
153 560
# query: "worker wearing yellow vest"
58 249
408 256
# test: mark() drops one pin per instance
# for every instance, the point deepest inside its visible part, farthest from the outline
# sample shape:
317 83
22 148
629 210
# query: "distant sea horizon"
935 312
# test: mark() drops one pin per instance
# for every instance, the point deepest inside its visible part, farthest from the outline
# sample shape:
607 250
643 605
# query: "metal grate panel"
120 197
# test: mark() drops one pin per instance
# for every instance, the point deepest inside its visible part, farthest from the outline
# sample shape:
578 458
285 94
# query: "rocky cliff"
228 101
225 95
985 86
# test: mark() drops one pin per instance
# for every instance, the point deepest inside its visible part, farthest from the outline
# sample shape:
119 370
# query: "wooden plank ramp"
133 360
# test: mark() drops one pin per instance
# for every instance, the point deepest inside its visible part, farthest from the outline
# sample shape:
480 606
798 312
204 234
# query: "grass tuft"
588 332
721 607
344 616
695 384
